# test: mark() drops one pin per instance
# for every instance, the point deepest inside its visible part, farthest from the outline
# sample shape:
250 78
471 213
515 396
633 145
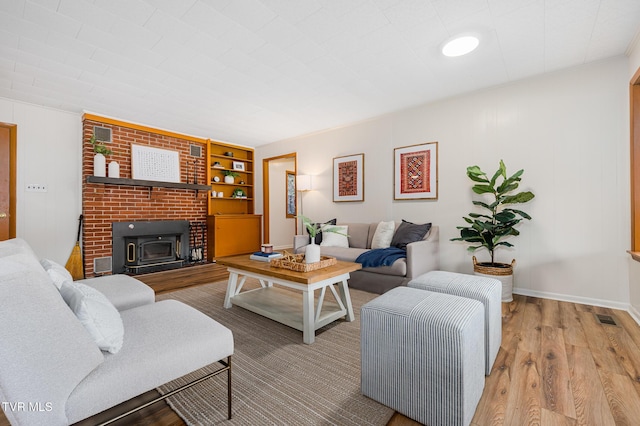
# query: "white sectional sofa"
52 371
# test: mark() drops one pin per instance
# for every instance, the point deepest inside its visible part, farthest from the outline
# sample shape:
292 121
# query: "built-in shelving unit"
233 228
222 158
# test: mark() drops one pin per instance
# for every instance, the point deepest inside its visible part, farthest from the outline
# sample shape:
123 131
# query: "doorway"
274 199
7 181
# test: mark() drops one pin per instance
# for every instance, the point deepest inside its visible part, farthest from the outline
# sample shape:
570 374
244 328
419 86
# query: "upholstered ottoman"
488 291
423 354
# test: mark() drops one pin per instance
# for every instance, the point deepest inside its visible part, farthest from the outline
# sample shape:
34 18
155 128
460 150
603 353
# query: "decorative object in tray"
296 262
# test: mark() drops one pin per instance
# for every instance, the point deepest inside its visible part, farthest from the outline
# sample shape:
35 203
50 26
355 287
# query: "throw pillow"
383 235
96 313
408 233
56 272
332 239
318 238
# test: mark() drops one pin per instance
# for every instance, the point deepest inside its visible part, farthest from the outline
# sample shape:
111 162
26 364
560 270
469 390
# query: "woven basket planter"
503 273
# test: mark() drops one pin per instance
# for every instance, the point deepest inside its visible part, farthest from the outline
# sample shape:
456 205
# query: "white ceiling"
256 71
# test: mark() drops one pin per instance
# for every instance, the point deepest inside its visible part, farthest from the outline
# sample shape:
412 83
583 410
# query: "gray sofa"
422 257
52 371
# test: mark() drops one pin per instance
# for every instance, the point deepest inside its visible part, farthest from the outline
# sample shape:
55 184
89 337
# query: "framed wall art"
348 178
237 165
148 163
416 172
292 202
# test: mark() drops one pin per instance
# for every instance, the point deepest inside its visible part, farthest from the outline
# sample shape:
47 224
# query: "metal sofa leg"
226 367
229 387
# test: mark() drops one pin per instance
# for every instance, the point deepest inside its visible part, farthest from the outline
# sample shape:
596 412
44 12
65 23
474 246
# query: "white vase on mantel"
114 169
99 165
312 253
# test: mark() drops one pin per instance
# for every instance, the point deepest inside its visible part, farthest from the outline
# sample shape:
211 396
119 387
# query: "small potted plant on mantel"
490 229
99 160
229 176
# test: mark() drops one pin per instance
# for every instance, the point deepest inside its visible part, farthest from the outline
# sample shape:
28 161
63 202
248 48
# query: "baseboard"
576 299
634 314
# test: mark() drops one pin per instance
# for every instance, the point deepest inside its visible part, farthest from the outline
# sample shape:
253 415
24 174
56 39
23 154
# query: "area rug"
277 379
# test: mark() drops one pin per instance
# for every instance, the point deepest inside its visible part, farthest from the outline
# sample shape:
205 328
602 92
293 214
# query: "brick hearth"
104 204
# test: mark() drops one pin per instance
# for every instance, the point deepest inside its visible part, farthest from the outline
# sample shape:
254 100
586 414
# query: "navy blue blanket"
381 257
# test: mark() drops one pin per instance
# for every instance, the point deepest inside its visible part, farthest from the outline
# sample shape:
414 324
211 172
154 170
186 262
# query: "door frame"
634 110
265 189
13 165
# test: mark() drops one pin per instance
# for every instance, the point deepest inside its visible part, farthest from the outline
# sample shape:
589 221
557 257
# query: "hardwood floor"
176 279
557 366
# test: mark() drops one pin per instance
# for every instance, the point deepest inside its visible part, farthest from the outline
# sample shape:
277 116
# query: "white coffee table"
297 310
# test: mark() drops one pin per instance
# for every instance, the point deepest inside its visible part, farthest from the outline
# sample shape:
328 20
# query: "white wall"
634 267
634 56
281 228
567 130
48 152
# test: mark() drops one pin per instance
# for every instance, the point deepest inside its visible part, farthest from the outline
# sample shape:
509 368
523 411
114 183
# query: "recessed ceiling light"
460 46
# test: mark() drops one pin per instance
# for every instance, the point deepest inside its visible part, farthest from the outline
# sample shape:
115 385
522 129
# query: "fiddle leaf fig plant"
489 229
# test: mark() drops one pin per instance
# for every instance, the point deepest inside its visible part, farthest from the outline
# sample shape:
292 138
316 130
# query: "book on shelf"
265 257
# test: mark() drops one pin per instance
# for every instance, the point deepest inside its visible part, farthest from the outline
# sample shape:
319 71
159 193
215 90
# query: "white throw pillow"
331 239
96 313
383 235
57 272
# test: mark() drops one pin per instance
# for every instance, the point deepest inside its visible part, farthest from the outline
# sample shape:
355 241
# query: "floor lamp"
303 184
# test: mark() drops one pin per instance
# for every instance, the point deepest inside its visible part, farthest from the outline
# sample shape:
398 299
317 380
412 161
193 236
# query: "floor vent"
605 319
102 265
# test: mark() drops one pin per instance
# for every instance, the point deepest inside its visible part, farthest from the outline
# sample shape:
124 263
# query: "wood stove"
140 247
150 251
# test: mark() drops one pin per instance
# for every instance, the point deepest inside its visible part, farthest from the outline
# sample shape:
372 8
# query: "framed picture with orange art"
348 178
416 172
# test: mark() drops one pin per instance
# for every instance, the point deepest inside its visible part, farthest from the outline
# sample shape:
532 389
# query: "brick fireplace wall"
104 204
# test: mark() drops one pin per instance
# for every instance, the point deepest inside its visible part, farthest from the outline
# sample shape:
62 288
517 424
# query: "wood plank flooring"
176 279
557 366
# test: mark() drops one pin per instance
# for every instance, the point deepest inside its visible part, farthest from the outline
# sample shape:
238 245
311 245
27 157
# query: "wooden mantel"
147 183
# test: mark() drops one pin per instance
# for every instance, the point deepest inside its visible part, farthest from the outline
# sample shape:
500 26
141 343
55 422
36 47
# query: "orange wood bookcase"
232 226
220 159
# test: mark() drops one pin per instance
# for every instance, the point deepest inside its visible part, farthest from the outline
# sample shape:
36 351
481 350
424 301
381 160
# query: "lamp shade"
303 182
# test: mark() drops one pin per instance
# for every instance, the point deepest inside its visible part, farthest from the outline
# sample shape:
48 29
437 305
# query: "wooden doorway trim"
634 107
13 165
265 189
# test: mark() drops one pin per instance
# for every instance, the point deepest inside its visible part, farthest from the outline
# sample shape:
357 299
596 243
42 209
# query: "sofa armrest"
300 241
123 291
424 256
